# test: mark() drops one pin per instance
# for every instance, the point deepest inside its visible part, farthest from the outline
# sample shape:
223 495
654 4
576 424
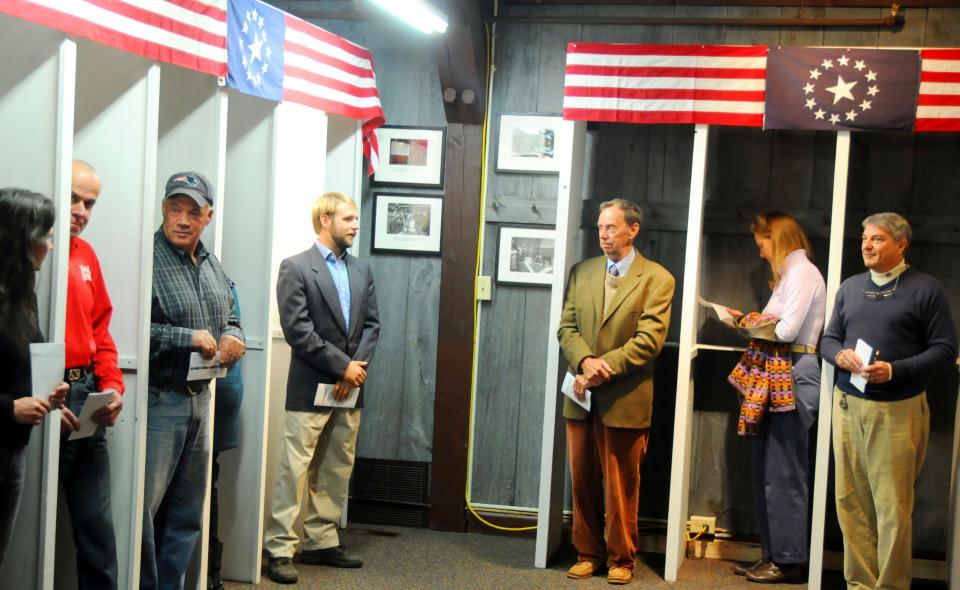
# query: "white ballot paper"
201 368
94 402
567 390
721 310
324 397
46 367
865 352
767 332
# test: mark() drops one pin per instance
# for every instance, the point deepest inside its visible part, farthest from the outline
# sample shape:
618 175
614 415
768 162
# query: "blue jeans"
175 483
781 470
85 477
12 467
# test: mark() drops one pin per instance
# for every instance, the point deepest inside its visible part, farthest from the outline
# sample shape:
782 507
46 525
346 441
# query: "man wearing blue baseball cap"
192 311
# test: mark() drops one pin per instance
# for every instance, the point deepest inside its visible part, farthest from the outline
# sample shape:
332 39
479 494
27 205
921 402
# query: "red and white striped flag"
277 56
938 104
688 84
325 71
188 33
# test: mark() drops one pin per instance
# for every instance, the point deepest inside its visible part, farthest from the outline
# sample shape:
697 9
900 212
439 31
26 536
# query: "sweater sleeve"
833 337
940 339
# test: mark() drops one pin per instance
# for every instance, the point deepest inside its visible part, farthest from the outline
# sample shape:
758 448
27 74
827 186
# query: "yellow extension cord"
483 193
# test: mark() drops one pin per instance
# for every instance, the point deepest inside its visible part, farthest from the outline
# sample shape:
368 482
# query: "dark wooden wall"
749 171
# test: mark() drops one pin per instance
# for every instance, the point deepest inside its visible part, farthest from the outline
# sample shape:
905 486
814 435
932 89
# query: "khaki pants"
879 449
332 437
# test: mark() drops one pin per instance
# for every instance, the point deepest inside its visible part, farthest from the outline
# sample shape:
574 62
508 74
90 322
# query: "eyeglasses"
883 293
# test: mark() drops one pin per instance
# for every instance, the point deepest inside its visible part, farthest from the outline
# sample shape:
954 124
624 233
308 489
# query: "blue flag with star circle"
255 39
841 89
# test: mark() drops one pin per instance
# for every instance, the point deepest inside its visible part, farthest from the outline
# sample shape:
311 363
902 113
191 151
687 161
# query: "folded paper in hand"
567 390
765 331
201 368
94 402
325 399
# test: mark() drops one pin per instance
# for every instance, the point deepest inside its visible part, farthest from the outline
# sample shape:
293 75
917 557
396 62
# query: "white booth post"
683 418
36 91
117 109
553 452
246 238
822 465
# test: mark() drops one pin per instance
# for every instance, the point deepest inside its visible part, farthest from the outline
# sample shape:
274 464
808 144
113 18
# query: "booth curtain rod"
894 21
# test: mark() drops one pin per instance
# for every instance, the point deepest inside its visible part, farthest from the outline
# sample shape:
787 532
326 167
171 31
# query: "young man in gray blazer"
328 312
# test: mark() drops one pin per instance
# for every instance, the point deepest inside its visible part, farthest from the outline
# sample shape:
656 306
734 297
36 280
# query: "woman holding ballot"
26 229
784 379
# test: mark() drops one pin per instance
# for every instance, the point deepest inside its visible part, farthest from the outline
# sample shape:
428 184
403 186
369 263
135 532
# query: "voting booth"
137 121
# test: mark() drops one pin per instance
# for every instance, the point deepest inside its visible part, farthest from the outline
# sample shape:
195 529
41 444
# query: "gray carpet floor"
420 559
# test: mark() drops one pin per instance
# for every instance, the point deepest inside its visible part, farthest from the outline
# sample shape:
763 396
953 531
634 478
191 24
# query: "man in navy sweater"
880 432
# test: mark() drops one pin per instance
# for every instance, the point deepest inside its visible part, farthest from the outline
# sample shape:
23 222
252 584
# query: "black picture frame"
514 266
407 223
528 153
391 140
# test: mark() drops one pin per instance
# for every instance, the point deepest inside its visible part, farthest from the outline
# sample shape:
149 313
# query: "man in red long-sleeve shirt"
91 361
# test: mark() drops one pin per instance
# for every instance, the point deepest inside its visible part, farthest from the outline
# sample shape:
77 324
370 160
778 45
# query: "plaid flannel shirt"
186 297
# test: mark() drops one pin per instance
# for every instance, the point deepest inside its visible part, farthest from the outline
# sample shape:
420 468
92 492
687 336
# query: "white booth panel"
192 136
247 234
116 132
299 156
32 100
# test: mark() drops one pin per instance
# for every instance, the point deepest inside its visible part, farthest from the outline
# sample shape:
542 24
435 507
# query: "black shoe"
332 556
281 570
771 573
214 582
741 570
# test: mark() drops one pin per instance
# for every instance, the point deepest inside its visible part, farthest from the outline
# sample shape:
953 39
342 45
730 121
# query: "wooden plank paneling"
536 306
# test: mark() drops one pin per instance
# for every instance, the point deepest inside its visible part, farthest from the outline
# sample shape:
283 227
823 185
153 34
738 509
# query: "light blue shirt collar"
325 252
623 265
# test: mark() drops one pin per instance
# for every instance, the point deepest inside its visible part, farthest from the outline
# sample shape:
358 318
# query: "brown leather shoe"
619 575
742 569
582 569
771 573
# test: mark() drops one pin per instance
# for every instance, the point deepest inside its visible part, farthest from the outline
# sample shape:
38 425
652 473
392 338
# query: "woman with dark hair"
792 376
26 230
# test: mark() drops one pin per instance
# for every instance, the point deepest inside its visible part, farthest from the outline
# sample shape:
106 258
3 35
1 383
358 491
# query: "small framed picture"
411 156
525 255
407 223
529 143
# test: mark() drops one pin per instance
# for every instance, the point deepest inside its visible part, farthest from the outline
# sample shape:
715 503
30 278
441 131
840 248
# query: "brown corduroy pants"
605 471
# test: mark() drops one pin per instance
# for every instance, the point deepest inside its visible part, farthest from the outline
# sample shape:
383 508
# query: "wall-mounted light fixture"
419 14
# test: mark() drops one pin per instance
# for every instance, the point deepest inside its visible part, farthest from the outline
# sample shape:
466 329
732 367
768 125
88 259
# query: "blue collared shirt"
338 269
623 265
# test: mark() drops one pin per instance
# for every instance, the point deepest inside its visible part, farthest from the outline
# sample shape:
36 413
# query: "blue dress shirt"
338 269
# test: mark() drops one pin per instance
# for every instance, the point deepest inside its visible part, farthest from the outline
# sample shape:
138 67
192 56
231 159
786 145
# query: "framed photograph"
411 156
525 255
529 143
407 223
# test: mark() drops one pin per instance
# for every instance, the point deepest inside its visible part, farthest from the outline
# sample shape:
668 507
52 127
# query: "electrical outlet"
484 291
696 524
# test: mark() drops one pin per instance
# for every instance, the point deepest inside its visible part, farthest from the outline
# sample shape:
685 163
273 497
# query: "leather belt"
77 373
803 348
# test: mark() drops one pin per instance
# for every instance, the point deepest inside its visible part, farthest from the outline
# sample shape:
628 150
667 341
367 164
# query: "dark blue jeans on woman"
781 470
11 487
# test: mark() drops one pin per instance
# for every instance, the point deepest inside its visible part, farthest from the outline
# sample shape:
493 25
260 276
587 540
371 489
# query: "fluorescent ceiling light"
418 13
